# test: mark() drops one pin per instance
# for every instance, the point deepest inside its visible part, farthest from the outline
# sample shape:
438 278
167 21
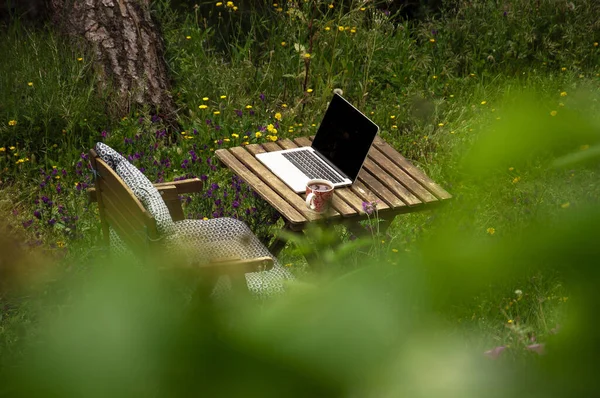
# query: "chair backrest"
120 209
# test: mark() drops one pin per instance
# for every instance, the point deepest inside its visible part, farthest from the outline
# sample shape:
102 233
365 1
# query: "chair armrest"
190 185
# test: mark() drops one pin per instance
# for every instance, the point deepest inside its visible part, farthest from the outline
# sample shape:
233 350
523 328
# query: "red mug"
318 195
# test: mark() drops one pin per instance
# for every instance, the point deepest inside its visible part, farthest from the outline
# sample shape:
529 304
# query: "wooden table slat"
255 148
412 170
384 194
365 193
413 186
261 188
391 183
275 183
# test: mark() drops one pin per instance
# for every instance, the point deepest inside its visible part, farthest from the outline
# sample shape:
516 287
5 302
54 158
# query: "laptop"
337 153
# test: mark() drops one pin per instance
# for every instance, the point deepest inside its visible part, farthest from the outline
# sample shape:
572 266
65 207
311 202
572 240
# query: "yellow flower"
219 4
561 104
230 4
393 117
472 74
273 138
452 132
300 124
183 133
511 168
79 59
12 148
2 149
30 84
553 113
353 30
313 125
288 264
310 90
216 113
451 95
226 139
563 69
565 205
235 8
596 44
363 8
327 28
223 97
271 129
205 218
307 55
202 106
341 28
245 143
205 99
258 134
394 126
483 102
57 177
60 243
516 179
284 105
12 122
248 106
188 37
510 321
434 77
563 94
279 9
278 116
283 43
441 124
275 5
491 231
432 40
330 6
395 250
234 135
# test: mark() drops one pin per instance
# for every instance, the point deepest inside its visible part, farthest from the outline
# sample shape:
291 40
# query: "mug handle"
310 200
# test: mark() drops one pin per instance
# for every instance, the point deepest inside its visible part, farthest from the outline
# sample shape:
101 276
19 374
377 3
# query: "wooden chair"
121 210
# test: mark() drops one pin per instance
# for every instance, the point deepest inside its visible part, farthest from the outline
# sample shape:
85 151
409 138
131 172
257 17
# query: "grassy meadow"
496 101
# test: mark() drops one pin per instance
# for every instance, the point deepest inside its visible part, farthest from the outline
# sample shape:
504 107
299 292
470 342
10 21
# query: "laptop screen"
345 136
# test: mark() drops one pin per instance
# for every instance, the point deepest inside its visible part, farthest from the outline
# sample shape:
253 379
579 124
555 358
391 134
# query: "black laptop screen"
345 136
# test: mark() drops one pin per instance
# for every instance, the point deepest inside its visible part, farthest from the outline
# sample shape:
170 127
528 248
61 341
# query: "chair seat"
201 241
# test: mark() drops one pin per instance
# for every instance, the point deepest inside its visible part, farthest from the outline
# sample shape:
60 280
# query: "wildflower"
491 231
363 8
223 97
392 116
432 40
561 104
216 113
79 59
327 28
245 143
310 90
273 138
2 149
494 353
353 30
563 94
271 129
511 168
12 122
553 113
434 77
472 74
219 4
341 28
584 147
258 134
278 116
565 205
395 250
596 44
441 124
330 6
60 243
284 105
30 84
518 292
563 69
394 127
288 264
202 106
205 99
369 208
234 135
516 179
283 44
483 102
510 321
451 95
205 218
248 106
307 56
230 4
188 37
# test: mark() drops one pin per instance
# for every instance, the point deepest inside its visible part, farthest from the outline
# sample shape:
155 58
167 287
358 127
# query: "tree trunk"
127 47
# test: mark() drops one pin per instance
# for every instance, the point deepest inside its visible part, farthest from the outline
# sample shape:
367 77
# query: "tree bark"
127 47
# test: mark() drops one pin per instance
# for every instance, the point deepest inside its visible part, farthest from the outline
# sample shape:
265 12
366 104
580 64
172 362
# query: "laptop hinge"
330 164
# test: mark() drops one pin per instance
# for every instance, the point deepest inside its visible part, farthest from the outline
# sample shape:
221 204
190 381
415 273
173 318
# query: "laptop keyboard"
311 165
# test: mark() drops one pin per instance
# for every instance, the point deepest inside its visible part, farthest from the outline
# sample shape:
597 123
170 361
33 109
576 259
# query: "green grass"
443 91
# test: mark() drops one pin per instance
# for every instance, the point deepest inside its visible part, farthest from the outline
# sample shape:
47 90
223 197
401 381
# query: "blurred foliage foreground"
376 331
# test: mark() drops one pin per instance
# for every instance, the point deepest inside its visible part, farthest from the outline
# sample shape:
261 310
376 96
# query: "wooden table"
386 178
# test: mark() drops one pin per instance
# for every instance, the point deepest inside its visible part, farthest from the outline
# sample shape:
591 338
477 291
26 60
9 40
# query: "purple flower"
204 177
217 127
155 119
235 204
537 348
262 97
505 13
45 199
239 112
252 112
58 188
369 207
27 224
52 221
208 121
42 185
434 32
104 134
217 202
214 186
495 352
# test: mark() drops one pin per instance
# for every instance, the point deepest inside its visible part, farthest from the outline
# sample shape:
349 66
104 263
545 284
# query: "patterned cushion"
204 240
140 185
